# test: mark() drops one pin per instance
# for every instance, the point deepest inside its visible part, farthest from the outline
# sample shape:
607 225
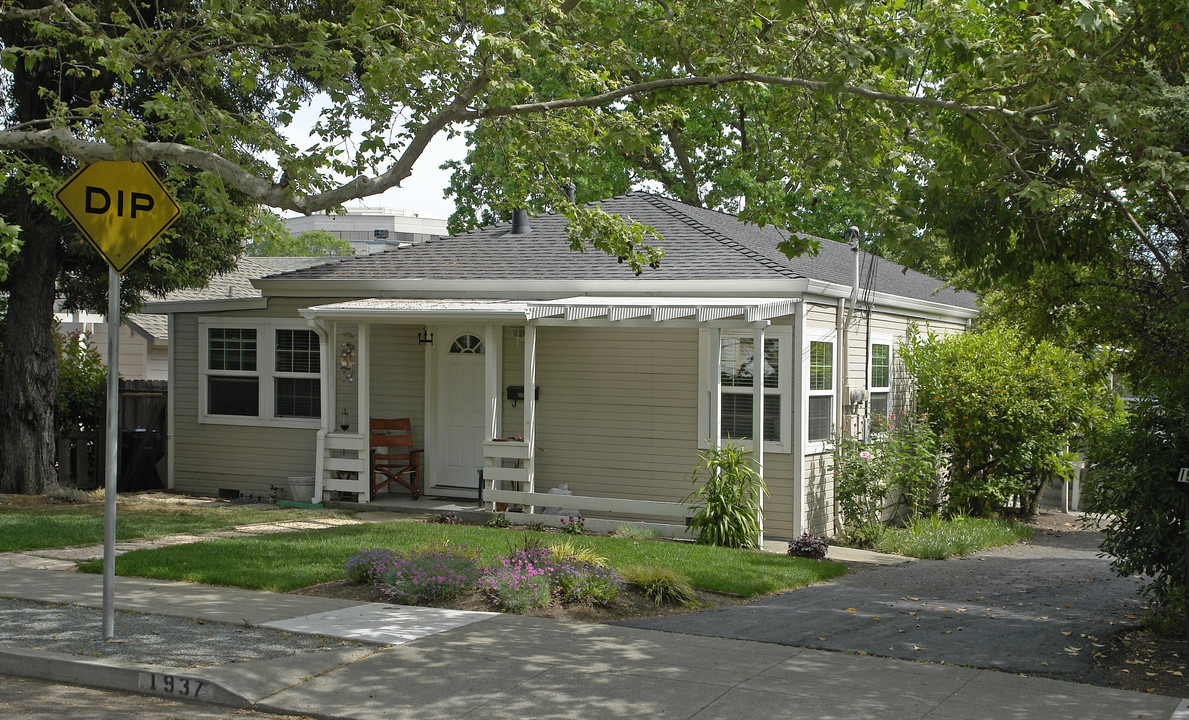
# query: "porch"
495 380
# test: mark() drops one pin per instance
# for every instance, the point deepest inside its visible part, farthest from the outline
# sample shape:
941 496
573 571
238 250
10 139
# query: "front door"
458 450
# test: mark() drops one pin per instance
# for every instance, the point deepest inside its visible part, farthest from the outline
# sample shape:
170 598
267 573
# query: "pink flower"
865 455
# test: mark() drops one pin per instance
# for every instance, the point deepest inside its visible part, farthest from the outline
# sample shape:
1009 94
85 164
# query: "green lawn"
288 561
34 528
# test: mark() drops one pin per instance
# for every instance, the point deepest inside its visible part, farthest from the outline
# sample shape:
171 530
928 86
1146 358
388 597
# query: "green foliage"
1132 485
899 467
81 398
574 525
861 484
661 585
269 237
726 509
567 552
935 538
499 522
1005 408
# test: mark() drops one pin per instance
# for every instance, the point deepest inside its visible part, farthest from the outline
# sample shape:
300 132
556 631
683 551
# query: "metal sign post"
1183 479
120 208
112 456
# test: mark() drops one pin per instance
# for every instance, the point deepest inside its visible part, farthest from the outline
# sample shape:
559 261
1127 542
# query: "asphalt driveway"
1035 608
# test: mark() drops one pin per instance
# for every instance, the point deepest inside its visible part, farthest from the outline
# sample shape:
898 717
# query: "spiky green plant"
726 507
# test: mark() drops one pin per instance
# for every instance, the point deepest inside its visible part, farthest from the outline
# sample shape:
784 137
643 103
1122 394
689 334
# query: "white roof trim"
575 309
661 309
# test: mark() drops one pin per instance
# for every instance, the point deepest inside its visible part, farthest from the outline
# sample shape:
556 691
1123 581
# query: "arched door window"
467 345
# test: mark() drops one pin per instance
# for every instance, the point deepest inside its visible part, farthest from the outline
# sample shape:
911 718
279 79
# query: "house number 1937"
163 684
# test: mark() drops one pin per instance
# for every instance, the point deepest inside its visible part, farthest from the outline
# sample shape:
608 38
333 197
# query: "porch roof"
611 309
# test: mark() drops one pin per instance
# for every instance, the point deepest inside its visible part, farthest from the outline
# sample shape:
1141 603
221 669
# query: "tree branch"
643 88
46 13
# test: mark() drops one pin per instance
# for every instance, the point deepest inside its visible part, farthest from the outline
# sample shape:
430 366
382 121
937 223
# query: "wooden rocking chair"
393 457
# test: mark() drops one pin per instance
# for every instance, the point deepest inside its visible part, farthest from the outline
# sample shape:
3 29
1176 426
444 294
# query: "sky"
421 192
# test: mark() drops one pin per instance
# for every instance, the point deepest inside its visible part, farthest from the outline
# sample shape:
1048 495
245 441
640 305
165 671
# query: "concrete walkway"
484 665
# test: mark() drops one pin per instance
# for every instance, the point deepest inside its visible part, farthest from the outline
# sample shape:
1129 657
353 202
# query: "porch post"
326 376
530 403
758 361
715 387
800 417
492 360
364 389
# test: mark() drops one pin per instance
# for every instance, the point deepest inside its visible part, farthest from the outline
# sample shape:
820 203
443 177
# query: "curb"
159 680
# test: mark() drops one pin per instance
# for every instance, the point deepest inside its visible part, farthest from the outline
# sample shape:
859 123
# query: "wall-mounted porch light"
425 337
343 423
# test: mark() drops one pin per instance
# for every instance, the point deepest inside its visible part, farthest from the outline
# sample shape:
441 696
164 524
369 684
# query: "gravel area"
146 638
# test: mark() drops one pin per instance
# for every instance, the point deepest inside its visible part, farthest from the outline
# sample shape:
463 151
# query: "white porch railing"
343 463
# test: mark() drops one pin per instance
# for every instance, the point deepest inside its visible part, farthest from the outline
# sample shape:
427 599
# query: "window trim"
830 336
710 383
265 373
872 388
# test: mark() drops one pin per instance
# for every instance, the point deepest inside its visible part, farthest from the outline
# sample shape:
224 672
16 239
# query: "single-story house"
144 337
511 353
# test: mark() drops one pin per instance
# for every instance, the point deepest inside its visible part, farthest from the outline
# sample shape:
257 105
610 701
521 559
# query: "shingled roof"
699 244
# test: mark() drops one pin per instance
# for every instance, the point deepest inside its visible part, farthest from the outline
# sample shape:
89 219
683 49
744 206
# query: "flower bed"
524 579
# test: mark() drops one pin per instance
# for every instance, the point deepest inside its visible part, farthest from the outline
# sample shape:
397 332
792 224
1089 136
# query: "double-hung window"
739 368
257 371
821 388
880 358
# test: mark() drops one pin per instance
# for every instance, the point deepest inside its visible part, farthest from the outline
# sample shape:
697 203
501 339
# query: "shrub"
521 581
361 567
1004 407
433 572
580 580
860 480
1132 485
914 462
727 508
82 384
499 521
566 551
574 525
661 585
809 546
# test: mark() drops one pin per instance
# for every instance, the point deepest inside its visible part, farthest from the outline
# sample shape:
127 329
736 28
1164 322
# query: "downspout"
853 236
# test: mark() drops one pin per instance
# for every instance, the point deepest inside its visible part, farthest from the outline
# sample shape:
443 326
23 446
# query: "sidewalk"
399 662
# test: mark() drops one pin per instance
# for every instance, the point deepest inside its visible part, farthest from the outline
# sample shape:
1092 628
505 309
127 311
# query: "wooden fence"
143 429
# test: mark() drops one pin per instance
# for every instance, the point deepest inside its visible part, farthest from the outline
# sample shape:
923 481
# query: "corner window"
732 397
821 390
257 371
880 381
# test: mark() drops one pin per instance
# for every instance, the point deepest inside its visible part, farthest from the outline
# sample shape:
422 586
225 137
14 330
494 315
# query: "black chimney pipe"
571 190
520 224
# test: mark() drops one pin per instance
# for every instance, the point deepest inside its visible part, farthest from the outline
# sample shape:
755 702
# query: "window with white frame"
737 366
253 371
880 358
820 421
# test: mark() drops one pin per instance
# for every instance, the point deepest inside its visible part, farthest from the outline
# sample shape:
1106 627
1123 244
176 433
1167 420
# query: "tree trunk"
30 377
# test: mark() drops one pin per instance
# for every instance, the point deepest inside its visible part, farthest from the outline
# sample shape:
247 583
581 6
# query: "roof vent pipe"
520 224
571 190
